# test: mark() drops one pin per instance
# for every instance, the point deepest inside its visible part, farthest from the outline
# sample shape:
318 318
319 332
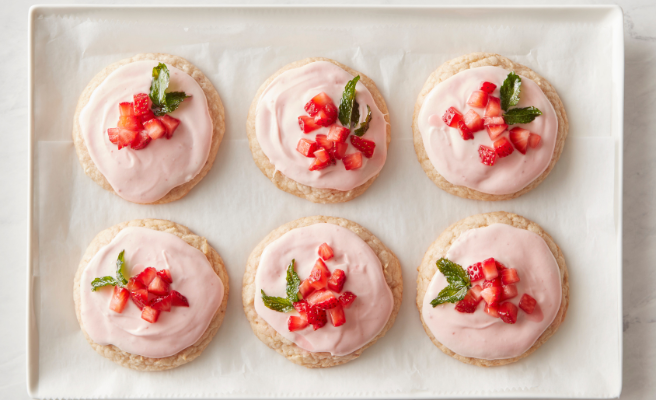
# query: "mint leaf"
159 85
293 282
458 280
120 269
450 294
355 115
510 91
364 126
521 115
279 304
346 103
102 282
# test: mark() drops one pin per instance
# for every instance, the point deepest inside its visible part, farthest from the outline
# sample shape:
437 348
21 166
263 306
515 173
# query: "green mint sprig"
285 304
349 110
364 126
163 103
458 280
510 90
521 115
120 279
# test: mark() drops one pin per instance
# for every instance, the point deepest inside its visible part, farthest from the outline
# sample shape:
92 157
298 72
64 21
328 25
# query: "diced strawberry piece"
317 103
316 317
147 116
534 140
337 316
166 275
323 142
465 132
339 150
178 300
508 312
170 123
467 304
492 311
326 252
490 269
476 293
140 141
141 104
527 303
319 275
494 131
317 164
322 155
295 323
302 306
493 121
500 267
331 111
134 284
519 138
475 272
140 297
307 124
488 87
503 147
125 137
126 109
113 135
323 118
154 128
509 292
352 161
306 147
146 276
162 303
158 287
473 121
478 99
336 281
365 146
451 117
150 314
509 275
346 299
338 133
493 108
305 288
492 295
130 122
487 155
119 299
324 299
496 282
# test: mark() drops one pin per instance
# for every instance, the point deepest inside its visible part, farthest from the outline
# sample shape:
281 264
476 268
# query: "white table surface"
639 278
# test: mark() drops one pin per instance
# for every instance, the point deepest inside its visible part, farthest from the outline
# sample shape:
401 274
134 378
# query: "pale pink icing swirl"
147 175
479 335
457 160
278 132
365 318
176 330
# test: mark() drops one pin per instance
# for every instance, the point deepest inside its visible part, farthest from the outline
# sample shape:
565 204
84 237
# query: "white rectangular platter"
578 49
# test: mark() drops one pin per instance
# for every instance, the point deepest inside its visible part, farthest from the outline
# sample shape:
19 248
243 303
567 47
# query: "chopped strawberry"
319 165
307 124
492 311
324 299
178 300
147 275
476 293
140 141
134 285
317 103
352 161
465 132
339 150
149 314
487 155
319 275
130 122
125 137
331 111
162 303
467 304
302 306
519 138
146 117
170 123
338 133
534 140
488 87
527 303
473 121
141 104
492 295
323 118
336 281
500 267
326 252
166 275
126 109
507 312
496 282
493 108
337 316
305 288
509 291
475 272
346 299
490 269
316 317
295 323
113 135
306 147
365 146
322 141
158 287
451 117
493 121
140 297
494 131
503 147
119 299
478 99
322 155
509 275
154 128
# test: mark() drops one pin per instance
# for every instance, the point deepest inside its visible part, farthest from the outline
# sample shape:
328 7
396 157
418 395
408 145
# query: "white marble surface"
639 189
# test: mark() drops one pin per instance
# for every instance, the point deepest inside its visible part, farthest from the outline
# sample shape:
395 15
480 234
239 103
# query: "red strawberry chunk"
338 133
162 303
467 305
326 252
473 121
154 128
487 155
324 299
158 287
494 131
178 300
492 311
324 119
365 146
478 99
295 323
119 299
465 132
166 275
147 275
322 155
317 103
488 87
509 291
113 135
500 267
150 314
508 312
319 275
493 121
339 150
319 164
336 281
146 117
492 295
140 297
493 108
141 104
307 124
490 269
125 137
519 138
527 303
476 293
134 285
130 122
331 111
346 299
140 141
534 140
496 282
352 161
323 142
306 147
305 288
503 147
475 272
126 109
302 306
451 117
316 317
337 316
509 275
170 123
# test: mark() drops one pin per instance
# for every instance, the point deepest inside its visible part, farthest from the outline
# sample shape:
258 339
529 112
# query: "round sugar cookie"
558 278
214 108
185 355
391 281
304 190
471 61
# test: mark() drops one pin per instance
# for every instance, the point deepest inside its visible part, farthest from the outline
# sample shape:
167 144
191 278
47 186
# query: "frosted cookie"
487 128
320 290
492 289
150 295
148 128
319 130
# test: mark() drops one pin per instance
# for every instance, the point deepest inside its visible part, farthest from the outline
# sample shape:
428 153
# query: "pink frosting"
147 175
278 132
457 160
174 331
479 335
364 277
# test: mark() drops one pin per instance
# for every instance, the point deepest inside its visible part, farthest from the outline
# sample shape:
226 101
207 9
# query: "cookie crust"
215 107
474 60
134 361
268 335
315 195
441 246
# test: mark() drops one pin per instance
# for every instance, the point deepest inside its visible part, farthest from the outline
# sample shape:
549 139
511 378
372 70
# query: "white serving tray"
578 49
